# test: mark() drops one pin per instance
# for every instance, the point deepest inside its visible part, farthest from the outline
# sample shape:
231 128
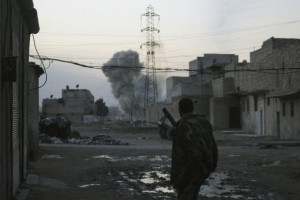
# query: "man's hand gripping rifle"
164 128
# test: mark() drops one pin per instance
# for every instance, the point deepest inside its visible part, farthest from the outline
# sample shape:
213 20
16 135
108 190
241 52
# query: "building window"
292 109
248 105
283 108
243 105
255 103
268 101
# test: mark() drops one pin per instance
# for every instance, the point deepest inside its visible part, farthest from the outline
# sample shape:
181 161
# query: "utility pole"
150 79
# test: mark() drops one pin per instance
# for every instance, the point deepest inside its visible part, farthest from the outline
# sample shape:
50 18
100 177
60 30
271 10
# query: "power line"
185 35
39 57
171 38
279 70
158 57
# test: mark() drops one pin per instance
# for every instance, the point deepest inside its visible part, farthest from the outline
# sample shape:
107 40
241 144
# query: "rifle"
169 116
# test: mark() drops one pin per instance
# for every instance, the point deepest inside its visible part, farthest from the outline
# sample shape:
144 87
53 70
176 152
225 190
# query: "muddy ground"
140 170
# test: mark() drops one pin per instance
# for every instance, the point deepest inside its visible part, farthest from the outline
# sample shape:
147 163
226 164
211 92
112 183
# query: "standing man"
194 152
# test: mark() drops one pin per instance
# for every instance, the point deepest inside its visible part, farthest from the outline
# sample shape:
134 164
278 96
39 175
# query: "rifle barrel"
169 116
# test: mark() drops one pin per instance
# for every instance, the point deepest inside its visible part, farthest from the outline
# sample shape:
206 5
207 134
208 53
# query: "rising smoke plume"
127 84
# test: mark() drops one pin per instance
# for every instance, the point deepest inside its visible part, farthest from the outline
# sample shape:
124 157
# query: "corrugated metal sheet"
15 113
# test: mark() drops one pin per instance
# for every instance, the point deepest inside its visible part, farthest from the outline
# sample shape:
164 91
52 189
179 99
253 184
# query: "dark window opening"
292 109
255 103
283 108
268 101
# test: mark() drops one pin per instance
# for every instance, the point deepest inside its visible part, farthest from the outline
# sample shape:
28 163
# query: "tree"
100 108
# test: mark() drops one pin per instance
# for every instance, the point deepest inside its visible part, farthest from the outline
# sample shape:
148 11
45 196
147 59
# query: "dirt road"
140 170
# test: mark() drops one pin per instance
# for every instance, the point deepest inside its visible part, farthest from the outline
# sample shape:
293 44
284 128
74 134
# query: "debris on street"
154 180
56 127
101 139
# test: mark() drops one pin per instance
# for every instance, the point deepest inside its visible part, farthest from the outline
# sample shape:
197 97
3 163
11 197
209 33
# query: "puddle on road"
156 158
154 180
89 185
216 185
153 177
52 156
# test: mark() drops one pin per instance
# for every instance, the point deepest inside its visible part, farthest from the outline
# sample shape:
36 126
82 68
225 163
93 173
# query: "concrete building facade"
224 109
213 59
35 71
196 86
271 45
74 104
260 97
269 90
18 19
174 87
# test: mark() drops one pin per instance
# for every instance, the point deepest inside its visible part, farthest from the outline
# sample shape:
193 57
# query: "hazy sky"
91 31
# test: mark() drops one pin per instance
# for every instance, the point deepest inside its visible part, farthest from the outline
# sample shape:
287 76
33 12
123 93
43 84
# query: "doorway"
234 117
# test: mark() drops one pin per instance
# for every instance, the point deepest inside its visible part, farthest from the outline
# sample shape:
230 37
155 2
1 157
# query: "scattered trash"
156 158
102 139
55 127
55 140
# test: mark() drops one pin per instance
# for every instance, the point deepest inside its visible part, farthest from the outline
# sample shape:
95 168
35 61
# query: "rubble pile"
56 127
101 139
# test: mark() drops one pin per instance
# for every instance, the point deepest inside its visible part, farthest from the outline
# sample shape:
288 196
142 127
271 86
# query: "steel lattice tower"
150 80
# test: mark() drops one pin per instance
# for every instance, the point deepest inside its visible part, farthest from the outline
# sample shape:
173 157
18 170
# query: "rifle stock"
169 116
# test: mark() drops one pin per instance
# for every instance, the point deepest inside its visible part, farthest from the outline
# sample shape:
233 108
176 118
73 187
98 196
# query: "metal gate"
15 136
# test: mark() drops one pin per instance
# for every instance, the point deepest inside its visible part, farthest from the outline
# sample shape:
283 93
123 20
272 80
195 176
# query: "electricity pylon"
150 79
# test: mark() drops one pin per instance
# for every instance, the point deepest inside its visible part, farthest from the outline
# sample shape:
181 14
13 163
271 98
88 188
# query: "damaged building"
73 105
268 89
261 97
197 85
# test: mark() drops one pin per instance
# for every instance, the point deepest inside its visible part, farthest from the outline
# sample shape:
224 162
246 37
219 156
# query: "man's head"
185 106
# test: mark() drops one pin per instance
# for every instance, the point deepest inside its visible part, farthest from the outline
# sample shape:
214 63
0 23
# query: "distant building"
177 86
198 85
114 112
74 104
